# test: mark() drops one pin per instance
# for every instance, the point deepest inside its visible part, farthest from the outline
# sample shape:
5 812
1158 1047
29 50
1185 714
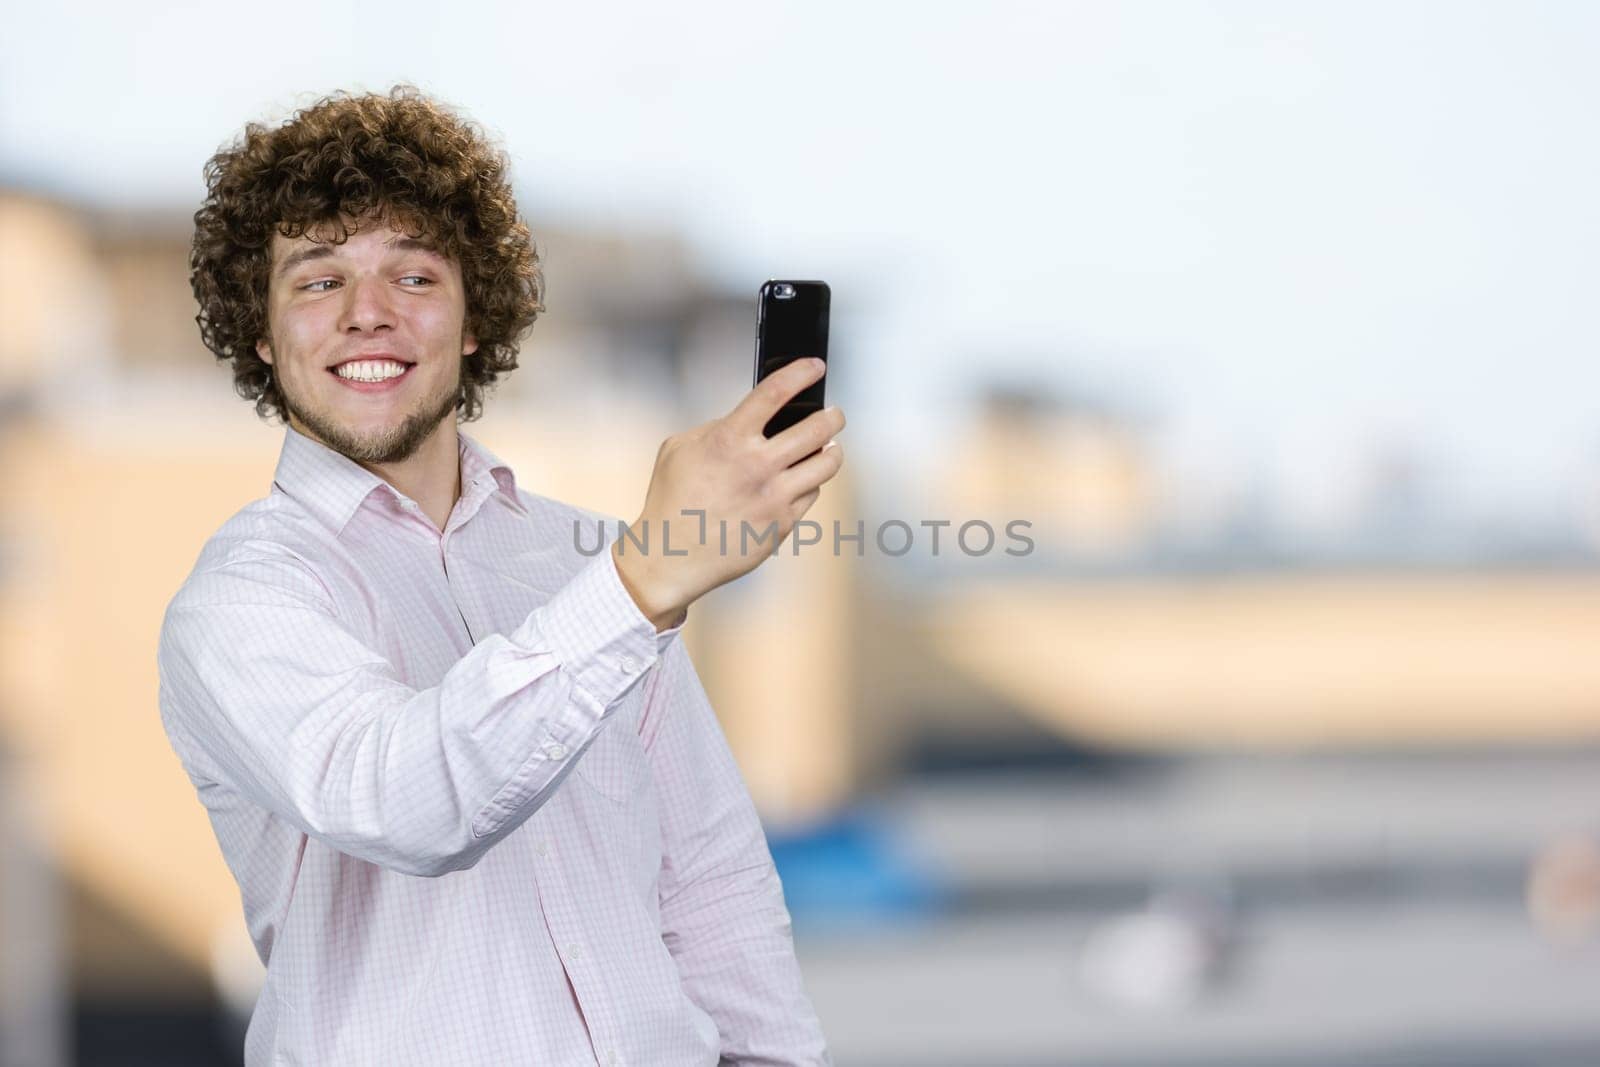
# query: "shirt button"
555 751
574 952
628 664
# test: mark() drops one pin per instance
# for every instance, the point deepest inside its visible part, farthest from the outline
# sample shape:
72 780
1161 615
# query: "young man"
477 804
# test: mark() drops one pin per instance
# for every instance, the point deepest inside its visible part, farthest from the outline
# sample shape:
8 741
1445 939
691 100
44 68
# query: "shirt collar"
333 486
477 461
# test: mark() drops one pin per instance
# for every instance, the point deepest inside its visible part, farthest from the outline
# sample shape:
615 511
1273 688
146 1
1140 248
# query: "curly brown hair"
400 158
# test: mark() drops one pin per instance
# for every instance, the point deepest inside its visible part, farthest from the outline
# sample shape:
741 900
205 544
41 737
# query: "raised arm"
265 691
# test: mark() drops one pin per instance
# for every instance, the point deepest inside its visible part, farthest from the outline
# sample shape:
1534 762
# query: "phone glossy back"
792 323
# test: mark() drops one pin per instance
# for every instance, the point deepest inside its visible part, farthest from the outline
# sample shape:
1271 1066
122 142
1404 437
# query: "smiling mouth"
369 384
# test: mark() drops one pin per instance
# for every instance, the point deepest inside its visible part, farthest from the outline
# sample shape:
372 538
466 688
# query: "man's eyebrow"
294 259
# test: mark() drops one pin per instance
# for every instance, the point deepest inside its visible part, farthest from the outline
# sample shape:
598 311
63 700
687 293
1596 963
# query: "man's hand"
753 488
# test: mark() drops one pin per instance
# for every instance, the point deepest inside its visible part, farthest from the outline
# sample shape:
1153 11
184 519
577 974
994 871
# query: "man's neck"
432 476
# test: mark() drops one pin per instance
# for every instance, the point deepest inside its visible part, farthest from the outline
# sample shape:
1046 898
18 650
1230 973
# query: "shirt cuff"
599 634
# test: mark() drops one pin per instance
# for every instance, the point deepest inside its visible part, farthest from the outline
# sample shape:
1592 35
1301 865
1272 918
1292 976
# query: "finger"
807 435
810 472
774 391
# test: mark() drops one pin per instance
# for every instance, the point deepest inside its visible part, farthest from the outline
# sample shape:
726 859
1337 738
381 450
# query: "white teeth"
370 370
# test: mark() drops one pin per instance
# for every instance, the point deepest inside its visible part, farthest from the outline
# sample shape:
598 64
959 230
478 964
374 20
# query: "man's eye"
312 286
417 278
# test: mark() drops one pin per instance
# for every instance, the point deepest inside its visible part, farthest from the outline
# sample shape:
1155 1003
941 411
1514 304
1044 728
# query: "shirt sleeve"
264 690
723 916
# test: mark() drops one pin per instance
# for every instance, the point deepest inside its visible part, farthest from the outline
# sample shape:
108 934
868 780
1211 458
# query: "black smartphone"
791 324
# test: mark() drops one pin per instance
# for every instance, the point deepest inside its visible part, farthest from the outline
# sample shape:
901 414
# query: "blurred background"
1275 321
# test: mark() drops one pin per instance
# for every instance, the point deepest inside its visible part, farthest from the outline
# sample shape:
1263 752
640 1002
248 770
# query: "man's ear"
264 350
469 344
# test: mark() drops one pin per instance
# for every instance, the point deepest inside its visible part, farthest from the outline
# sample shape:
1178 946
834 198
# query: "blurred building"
1071 466
124 447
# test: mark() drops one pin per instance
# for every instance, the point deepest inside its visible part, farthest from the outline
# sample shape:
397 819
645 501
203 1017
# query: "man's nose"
367 305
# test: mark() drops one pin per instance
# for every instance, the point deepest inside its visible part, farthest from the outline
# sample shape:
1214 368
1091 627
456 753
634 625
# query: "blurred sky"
1291 235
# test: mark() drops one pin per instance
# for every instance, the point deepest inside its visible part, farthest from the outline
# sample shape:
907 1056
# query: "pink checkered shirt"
479 811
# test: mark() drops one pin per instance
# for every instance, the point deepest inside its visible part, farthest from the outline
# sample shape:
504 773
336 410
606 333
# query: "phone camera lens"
783 292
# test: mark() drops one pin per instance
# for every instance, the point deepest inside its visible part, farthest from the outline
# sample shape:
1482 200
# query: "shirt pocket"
615 764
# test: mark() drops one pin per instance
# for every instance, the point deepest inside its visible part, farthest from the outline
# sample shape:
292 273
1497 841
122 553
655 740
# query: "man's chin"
382 449
395 441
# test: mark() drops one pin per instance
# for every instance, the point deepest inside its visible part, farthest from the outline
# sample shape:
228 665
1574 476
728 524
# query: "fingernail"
820 364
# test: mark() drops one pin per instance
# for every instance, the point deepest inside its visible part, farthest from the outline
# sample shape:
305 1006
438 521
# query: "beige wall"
1365 659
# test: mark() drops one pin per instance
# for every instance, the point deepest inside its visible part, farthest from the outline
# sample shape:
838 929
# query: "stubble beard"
385 446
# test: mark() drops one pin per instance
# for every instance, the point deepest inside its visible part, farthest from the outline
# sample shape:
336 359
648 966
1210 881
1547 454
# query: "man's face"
379 298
